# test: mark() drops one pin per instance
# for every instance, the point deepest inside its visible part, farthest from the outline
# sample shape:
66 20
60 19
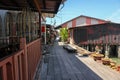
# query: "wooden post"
107 49
92 47
25 60
39 25
24 22
87 47
9 71
118 51
4 72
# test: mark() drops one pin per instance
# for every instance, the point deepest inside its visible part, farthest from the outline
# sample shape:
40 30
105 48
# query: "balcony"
20 42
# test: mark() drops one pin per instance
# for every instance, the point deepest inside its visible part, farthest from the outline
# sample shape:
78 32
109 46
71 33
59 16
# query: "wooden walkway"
61 65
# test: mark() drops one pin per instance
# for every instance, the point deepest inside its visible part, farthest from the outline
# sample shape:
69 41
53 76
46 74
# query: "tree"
64 34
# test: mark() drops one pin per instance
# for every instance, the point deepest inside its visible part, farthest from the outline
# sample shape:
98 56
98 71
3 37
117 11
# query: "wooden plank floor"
61 65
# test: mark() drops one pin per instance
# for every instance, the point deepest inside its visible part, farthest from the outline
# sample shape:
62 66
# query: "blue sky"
103 9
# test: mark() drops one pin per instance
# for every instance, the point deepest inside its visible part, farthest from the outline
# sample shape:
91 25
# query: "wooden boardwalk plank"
69 66
44 72
64 73
57 69
60 65
105 72
50 68
83 69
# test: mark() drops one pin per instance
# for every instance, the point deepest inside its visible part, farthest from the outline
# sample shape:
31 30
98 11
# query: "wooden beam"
44 4
3 3
37 3
14 2
54 0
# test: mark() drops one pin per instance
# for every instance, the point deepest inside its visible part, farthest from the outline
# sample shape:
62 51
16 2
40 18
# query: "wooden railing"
33 56
22 64
6 68
18 65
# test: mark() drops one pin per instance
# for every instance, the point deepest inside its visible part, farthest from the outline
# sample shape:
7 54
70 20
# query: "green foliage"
64 34
117 60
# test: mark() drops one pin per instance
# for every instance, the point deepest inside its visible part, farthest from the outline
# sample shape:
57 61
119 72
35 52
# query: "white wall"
69 24
81 21
94 21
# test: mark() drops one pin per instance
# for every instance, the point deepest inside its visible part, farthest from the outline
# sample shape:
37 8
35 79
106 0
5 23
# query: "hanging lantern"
43 29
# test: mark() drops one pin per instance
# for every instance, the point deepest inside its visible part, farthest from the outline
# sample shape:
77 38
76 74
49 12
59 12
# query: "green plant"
64 34
117 60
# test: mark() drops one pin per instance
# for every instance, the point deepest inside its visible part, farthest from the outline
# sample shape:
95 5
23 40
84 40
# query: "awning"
45 6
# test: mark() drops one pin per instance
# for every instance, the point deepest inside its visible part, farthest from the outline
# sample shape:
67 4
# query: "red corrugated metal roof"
85 16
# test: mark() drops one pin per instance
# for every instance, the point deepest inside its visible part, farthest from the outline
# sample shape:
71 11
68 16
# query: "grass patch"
117 60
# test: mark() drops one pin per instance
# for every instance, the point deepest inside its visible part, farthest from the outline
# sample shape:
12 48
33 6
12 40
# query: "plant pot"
106 61
98 56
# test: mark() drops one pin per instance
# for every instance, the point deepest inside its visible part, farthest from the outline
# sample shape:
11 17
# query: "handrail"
33 55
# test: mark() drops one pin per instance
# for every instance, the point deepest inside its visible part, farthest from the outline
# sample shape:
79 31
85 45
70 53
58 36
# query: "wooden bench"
69 49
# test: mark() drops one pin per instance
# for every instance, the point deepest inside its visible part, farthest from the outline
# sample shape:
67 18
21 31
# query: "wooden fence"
22 64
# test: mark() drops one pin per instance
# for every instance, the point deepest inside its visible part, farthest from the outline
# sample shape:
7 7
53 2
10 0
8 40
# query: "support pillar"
88 47
85 47
82 46
107 49
118 51
25 62
39 25
92 47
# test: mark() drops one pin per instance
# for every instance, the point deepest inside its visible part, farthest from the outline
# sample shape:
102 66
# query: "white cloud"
115 16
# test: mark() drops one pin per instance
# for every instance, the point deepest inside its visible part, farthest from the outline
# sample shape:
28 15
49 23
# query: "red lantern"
43 28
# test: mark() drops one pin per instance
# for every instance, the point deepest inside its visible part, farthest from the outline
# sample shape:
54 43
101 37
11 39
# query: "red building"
82 21
105 35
